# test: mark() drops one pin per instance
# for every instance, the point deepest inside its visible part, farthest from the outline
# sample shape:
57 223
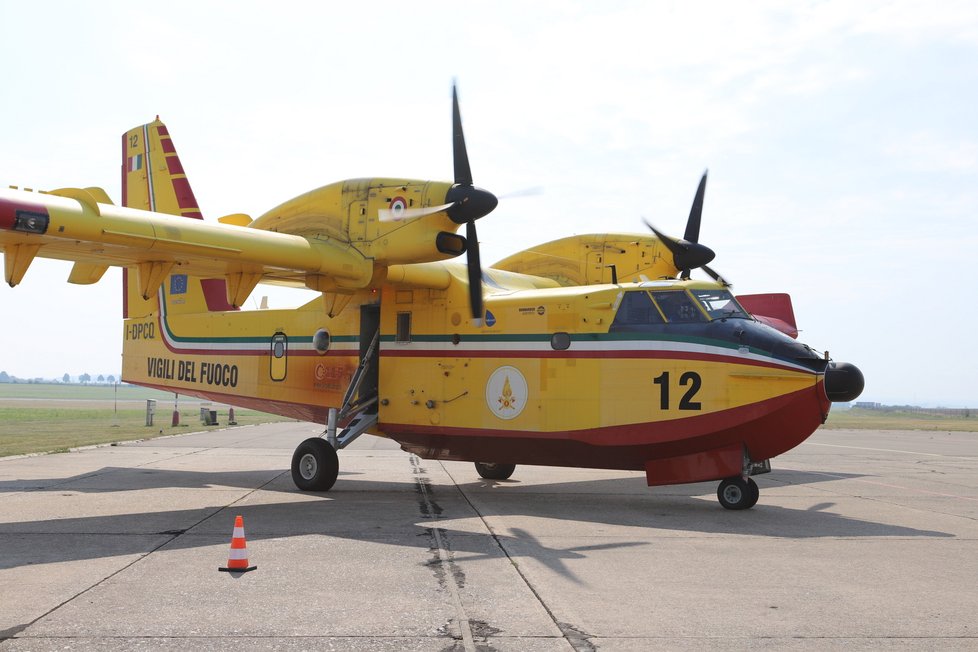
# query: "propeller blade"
388 215
716 276
696 213
475 271
674 247
685 255
463 173
470 203
525 192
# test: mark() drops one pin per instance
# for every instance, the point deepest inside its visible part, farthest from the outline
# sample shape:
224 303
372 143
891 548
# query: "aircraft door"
278 360
369 325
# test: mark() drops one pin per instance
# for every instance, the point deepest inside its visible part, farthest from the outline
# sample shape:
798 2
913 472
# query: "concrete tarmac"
861 540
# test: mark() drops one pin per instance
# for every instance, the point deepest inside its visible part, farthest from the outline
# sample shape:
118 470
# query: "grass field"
50 418
879 420
82 392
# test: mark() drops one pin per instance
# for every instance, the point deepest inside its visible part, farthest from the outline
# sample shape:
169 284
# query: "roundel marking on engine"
397 207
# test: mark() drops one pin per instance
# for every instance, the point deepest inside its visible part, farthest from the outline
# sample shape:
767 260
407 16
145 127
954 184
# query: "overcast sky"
841 142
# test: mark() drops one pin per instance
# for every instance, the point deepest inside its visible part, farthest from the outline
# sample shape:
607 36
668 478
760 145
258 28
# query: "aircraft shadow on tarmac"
400 513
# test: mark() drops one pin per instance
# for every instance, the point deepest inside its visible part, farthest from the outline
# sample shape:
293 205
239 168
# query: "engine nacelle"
391 221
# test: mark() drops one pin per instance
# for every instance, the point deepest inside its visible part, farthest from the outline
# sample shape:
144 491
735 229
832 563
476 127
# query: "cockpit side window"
720 304
636 312
678 307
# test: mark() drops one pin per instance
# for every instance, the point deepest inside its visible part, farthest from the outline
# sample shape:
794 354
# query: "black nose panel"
843 382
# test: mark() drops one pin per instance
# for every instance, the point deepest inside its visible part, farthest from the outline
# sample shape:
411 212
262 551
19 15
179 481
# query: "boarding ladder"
362 408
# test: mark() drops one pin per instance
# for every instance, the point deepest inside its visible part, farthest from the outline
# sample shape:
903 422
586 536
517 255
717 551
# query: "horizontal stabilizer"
237 219
90 197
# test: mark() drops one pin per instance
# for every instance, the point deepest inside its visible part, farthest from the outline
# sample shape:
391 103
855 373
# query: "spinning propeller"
464 204
468 203
688 253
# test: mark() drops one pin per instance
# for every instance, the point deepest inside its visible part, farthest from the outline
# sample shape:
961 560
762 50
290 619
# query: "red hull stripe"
767 428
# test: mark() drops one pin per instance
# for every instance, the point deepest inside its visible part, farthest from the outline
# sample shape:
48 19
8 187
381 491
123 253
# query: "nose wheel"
737 493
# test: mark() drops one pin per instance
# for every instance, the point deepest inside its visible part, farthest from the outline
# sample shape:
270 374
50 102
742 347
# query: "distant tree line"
84 379
963 413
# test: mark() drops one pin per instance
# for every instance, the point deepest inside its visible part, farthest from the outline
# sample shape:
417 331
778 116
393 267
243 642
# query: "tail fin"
153 179
772 309
152 175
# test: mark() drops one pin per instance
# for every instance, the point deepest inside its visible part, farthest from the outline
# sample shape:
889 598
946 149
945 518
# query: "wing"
81 225
338 238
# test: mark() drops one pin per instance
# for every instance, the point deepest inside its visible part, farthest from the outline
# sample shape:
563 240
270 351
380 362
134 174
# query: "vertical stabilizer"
153 179
152 175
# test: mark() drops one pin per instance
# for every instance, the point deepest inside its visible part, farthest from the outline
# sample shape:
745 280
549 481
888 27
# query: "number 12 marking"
690 378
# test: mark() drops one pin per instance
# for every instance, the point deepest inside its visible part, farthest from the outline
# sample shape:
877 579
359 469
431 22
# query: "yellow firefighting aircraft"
587 351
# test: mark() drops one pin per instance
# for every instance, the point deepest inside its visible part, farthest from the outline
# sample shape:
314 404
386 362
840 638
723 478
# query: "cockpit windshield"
720 304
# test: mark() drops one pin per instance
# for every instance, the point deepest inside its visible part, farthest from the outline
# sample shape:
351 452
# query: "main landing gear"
493 471
314 463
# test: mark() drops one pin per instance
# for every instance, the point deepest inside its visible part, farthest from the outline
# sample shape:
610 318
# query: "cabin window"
278 345
560 341
321 341
678 307
636 312
720 304
403 327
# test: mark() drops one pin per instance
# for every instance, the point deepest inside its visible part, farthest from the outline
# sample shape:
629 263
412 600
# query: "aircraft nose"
843 382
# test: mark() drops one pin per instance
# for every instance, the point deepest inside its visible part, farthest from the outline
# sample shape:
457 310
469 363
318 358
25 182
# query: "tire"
735 493
493 471
755 492
315 465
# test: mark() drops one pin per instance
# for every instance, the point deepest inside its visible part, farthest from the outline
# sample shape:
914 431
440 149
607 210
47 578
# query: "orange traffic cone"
238 557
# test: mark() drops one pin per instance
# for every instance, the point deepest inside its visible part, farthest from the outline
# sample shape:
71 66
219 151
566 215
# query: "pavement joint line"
893 486
890 450
443 557
579 641
233 502
146 554
95 585
96 474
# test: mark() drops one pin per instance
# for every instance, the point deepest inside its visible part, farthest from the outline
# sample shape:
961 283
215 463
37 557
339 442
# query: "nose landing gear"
738 493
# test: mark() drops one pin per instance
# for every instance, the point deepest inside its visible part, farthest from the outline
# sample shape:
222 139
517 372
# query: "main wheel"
315 465
735 493
492 471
